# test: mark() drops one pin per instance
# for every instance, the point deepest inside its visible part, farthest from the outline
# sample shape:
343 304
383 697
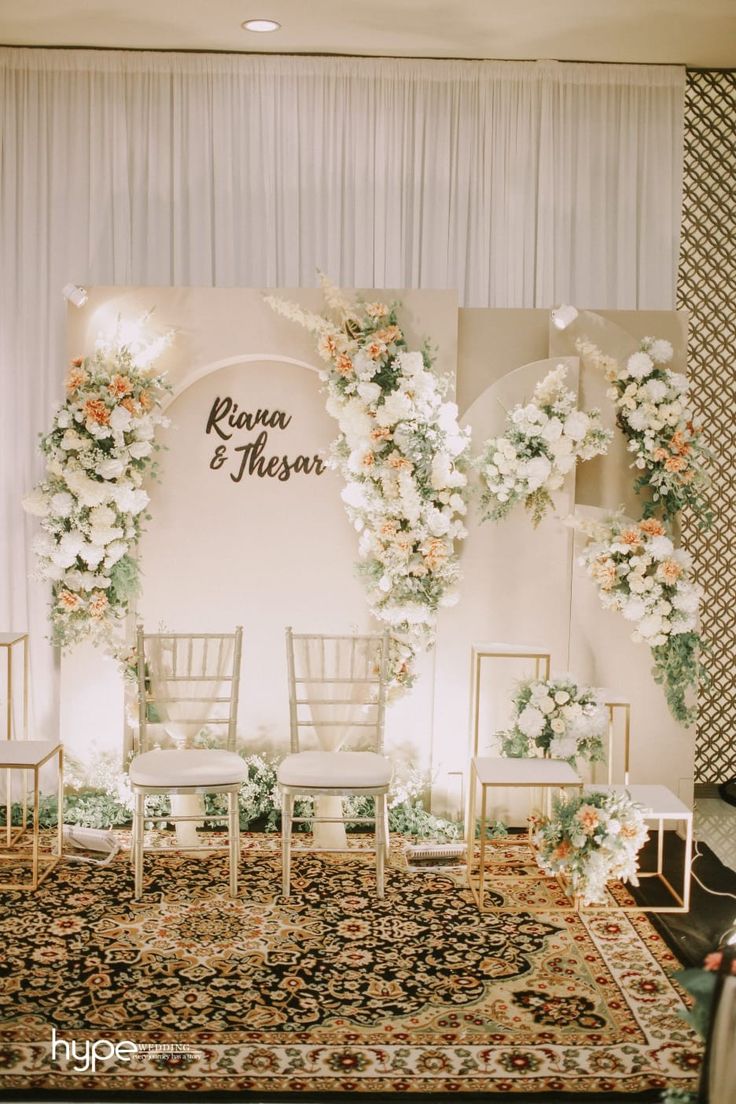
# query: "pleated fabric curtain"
517 183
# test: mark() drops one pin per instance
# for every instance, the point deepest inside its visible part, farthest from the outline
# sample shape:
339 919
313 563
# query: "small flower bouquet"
543 441
557 718
404 459
92 501
654 411
590 840
640 573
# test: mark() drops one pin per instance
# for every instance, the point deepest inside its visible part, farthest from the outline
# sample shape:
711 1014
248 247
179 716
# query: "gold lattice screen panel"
707 289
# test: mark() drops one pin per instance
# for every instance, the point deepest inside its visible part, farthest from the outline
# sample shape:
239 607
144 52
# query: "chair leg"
138 822
233 840
380 842
386 833
287 811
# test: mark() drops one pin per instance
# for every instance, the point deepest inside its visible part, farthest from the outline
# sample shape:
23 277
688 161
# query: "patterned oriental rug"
332 991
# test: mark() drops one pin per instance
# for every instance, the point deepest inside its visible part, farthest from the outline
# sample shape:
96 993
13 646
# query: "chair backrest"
337 689
187 683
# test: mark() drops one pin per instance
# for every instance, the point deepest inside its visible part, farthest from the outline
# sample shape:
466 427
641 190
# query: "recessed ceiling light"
260 26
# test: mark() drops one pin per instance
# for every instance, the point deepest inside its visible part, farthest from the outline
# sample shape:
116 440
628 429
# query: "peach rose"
145 400
375 350
327 345
588 818
604 573
98 604
75 378
96 411
652 527
388 334
77 362
669 571
131 406
344 365
389 528
630 536
368 460
119 385
675 464
400 463
434 552
660 455
376 310
562 850
380 433
68 601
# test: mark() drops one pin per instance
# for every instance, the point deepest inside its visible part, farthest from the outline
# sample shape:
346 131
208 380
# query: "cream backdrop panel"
225 546
266 553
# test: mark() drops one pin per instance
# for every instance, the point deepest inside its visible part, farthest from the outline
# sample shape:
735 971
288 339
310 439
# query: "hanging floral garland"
654 412
404 459
544 440
92 502
640 573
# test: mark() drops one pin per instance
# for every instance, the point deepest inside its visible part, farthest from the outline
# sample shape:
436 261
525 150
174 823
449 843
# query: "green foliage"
679 670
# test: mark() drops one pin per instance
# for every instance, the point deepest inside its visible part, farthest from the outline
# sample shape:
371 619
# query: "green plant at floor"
107 802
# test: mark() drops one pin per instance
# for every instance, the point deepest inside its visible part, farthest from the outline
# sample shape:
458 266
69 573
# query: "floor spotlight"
75 294
563 316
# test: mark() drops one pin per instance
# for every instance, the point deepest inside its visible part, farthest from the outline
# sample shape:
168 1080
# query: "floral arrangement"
655 413
404 459
639 572
91 502
543 441
558 718
590 840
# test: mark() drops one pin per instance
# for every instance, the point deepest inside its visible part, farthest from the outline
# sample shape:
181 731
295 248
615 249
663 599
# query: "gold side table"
614 703
32 755
12 642
659 805
487 773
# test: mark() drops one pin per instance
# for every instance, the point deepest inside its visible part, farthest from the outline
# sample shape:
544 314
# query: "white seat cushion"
335 769
188 767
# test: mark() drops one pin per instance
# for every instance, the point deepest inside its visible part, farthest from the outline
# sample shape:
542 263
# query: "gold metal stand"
32 755
487 773
480 652
10 641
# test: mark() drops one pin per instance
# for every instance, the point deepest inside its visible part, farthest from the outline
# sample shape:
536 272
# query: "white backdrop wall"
518 184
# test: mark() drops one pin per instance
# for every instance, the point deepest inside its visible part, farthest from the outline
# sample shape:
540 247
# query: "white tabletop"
11 638
656 800
26 753
525 772
610 697
499 648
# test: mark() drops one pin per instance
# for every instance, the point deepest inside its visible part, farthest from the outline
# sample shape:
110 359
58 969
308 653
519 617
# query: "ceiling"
699 33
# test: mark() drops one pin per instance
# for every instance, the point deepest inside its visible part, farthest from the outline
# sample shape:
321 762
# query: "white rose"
537 471
62 504
114 552
102 515
36 503
531 722
660 351
110 468
441 471
634 608
120 419
447 416
437 522
92 554
553 430
410 364
562 697
139 449
656 389
71 441
394 408
353 494
649 626
546 704
577 425
63 419
640 365
660 547
101 535
557 725
369 392
89 491
563 747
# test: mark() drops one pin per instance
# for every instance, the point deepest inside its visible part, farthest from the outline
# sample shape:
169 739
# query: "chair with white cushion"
337 694
187 688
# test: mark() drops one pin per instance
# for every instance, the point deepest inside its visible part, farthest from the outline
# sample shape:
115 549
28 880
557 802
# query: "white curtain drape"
518 183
